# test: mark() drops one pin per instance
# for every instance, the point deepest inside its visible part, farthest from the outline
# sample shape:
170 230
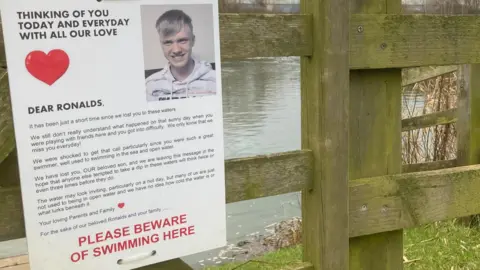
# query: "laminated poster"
117 109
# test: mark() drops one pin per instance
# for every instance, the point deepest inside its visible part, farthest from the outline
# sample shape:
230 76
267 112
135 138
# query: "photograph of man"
183 76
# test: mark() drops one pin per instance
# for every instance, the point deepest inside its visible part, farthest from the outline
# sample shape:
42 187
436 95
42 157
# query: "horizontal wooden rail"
255 35
377 204
267 175
265 35
376 41
246 178
15 263
428 120
396 41
420 74
429 166
387 203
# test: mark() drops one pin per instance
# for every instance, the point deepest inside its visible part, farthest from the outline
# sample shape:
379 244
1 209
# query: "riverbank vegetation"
441 245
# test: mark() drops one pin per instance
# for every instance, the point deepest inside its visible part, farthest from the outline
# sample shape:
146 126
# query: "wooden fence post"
468 123
325 99
375 142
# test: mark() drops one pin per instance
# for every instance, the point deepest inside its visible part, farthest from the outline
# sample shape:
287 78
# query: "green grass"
271 261
441 245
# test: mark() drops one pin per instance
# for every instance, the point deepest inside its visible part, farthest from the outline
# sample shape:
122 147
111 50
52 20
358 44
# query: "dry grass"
434 143
439 246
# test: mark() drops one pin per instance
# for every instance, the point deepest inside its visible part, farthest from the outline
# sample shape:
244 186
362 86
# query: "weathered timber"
377 204
267 175
384 41
15 263
429 166
418 74
428 120
375 140
395 41
6 123
391 202
246 178
12 224
253 35
324 99
468 126
375 150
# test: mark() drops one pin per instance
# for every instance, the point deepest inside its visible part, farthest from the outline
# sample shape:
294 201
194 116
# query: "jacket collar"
167 73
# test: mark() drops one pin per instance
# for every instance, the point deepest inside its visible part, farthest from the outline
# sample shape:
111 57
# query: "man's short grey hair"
172 21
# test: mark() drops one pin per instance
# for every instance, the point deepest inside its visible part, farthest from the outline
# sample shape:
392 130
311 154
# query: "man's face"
177 48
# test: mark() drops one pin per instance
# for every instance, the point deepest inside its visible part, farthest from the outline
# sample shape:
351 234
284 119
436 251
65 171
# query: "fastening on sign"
138 257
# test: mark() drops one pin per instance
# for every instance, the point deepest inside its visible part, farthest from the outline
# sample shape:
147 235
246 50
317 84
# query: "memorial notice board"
117 110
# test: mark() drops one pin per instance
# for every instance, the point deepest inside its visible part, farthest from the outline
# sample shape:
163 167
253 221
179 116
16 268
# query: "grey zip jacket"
163 86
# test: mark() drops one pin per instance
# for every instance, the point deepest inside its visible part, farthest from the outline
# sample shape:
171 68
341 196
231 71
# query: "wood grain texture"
418 74
325 99
468 125
246 178
394 41
375 141
437 39
429 166
12 224
267 175
429 120
254 35
392 202
7 141
377 204
14 263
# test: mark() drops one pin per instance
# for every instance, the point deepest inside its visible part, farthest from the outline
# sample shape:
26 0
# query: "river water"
261 103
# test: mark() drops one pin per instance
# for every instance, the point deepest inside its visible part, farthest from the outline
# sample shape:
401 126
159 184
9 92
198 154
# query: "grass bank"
441 245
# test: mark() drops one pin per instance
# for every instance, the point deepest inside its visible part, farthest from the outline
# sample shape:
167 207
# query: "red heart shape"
121 205
47 68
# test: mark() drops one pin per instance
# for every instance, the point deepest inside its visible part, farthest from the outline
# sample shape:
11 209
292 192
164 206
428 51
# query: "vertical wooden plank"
375 143
468 123
325 99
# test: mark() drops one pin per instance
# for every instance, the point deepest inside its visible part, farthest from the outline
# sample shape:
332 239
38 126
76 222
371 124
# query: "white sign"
117 110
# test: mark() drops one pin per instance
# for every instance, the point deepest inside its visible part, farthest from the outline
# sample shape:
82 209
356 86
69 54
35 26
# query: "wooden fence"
356 198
